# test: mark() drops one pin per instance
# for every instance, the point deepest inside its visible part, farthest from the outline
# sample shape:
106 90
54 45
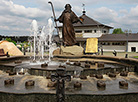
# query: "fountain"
92 81
43 40
93 77
34 28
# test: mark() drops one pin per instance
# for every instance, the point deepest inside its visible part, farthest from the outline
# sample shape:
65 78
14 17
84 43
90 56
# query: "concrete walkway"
119 54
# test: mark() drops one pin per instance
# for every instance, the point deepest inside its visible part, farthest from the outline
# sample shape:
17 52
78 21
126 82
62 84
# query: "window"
95 31
118 43
122 43
104 31
133 49
105 43
87 31
78 31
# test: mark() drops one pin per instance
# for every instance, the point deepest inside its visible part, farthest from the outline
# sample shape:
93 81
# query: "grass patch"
135 56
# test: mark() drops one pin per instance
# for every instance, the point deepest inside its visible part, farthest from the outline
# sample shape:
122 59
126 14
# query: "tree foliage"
10 40
25 44
118 31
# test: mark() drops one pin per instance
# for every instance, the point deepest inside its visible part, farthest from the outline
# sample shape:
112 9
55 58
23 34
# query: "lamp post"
127 43
60 76
126 32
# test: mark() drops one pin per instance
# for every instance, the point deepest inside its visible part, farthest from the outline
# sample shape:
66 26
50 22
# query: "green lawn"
135 56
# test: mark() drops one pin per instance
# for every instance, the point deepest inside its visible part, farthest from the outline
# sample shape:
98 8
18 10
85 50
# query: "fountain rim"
68 93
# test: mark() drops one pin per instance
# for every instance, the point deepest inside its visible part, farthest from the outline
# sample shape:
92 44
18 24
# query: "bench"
3 54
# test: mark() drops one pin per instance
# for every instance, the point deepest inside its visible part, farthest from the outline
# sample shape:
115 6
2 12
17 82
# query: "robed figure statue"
68 17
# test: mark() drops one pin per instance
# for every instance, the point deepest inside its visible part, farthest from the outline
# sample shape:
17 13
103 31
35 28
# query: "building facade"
119 42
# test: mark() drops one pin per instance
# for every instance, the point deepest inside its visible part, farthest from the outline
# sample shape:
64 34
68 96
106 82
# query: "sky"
16 15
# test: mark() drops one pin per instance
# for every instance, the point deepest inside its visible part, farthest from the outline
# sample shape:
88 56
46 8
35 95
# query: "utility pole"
126 32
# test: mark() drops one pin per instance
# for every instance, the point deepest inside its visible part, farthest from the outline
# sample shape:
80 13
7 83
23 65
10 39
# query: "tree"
118 31
10 40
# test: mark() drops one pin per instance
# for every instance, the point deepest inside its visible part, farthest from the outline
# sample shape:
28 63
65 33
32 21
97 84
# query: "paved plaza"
119 54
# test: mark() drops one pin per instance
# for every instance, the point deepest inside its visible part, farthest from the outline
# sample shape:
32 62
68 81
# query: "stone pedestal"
69 50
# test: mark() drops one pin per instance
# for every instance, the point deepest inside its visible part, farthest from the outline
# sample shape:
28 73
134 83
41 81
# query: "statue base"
69 50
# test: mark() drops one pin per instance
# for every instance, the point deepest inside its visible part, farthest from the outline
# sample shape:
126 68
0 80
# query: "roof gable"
87 21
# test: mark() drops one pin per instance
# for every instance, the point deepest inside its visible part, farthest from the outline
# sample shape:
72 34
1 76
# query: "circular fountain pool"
34 71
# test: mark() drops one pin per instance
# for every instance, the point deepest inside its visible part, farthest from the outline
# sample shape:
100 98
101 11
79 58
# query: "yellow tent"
10 48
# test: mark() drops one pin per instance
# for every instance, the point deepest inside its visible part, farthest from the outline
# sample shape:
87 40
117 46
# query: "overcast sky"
17 15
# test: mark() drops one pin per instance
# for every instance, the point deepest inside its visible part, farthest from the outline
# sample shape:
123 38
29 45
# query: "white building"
119 42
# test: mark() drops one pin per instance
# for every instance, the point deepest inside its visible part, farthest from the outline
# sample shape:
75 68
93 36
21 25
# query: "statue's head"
67 6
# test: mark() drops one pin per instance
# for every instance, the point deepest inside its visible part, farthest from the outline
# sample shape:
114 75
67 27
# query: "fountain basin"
89 88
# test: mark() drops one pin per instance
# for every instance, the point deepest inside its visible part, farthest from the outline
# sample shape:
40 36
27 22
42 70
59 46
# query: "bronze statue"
68 17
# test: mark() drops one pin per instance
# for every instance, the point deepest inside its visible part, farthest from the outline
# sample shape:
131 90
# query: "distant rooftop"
119 37
87 21
115 37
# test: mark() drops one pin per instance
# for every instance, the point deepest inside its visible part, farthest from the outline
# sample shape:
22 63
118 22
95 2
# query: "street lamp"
126 32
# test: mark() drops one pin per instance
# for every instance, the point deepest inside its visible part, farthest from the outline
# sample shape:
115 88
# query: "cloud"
129 20
58 4
105 14
16 25
127 1
123 11
16 19
20 10
93 2
16 16
4 27
111 17
134 11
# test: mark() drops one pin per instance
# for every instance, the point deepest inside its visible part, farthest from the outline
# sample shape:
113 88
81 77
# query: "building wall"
96 32
132 47
112 48
132 44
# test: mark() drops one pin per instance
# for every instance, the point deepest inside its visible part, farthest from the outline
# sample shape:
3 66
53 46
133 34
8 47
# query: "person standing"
115 53
101 51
